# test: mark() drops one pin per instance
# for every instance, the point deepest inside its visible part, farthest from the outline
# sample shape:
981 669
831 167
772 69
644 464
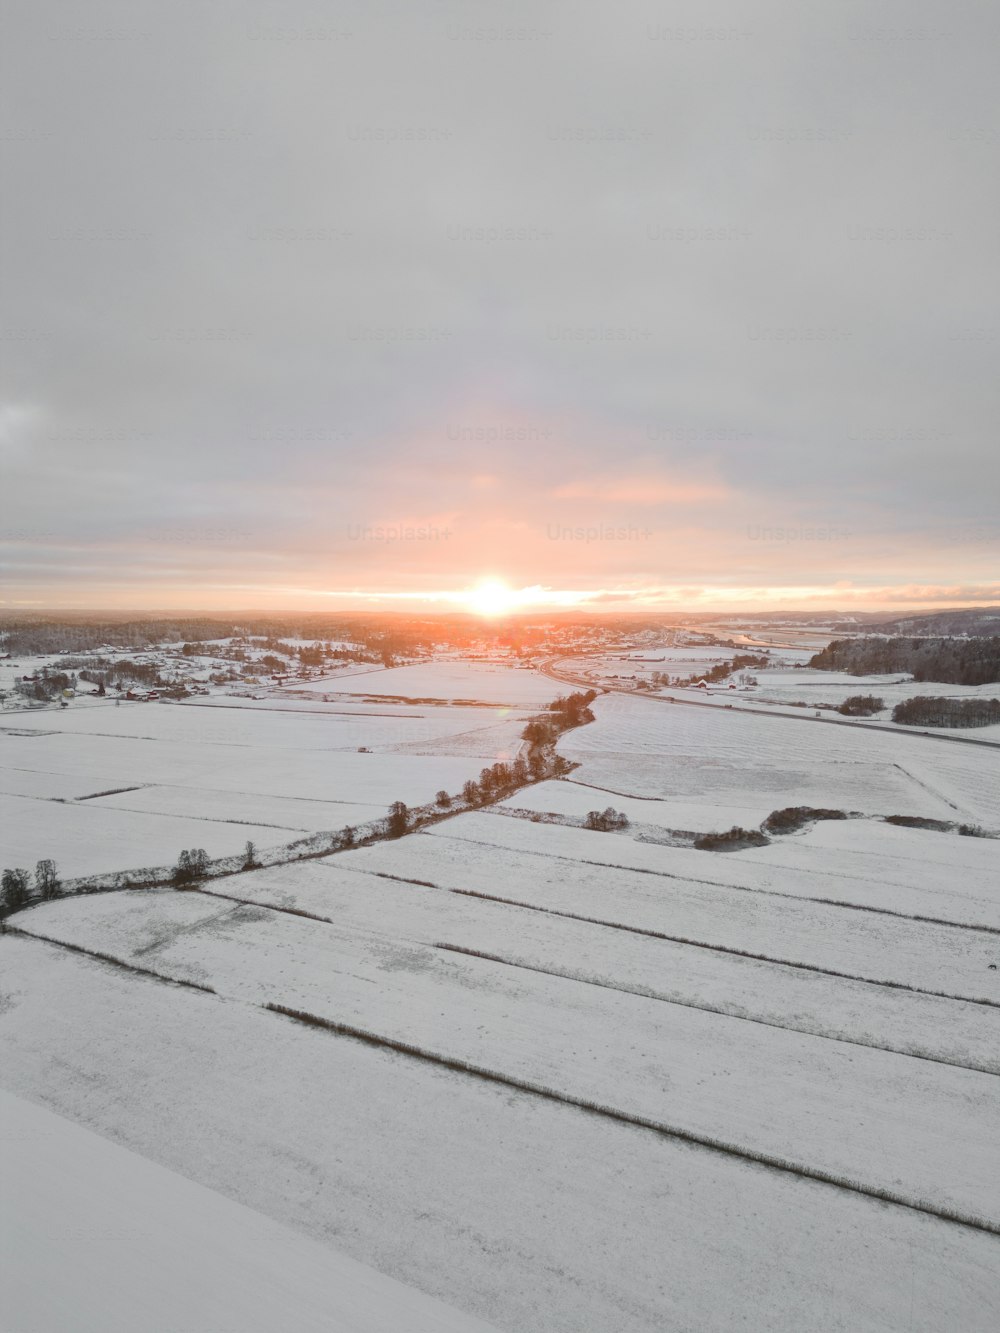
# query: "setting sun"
492 597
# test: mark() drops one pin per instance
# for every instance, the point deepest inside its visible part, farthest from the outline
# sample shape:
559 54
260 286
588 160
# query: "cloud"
281 284
640 491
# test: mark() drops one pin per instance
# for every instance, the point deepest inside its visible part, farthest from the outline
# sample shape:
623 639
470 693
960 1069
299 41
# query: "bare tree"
14 887
398 821
46 879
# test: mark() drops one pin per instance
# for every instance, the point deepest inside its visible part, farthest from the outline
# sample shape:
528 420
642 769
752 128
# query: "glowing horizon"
494 598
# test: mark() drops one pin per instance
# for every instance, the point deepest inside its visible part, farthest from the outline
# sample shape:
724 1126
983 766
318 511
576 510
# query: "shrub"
732 841
537 732
606 821
919 821
861 705
191 866
442 799
794 817
14 888
398 821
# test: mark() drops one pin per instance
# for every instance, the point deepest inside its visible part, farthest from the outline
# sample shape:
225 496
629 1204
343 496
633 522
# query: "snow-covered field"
714 757
480 682
536 1216
97 1239
808 1032
212 777
831 688
823 1104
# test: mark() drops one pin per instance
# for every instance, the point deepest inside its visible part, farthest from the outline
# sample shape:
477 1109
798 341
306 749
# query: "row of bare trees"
17 890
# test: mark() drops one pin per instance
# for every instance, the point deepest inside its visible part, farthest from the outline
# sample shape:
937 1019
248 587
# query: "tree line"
948 661
937 711
17 890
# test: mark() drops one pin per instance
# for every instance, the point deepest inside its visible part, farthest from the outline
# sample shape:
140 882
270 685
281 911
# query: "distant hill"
971 620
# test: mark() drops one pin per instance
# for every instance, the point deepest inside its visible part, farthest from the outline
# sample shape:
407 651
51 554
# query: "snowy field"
121 787
535 1216
829 689
479 682
791 1053
708 757
157 1242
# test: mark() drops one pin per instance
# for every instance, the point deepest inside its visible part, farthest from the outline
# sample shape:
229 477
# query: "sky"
629 306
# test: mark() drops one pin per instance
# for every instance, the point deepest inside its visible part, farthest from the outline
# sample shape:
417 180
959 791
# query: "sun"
492 597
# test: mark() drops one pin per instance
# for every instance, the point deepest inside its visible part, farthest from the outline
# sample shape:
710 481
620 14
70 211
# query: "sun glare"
492 597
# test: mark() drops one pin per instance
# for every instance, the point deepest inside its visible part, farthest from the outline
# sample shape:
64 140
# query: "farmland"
165 1242
538 1071
106 787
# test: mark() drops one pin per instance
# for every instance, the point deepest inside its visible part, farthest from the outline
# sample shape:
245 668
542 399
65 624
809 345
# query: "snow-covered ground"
97 1239
709 757
481 682
824 1104
535 1216
212 777
831 688
807 1029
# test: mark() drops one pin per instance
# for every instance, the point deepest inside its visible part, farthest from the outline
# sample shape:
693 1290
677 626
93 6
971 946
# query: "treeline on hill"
390 636
41 637
949 661
936 711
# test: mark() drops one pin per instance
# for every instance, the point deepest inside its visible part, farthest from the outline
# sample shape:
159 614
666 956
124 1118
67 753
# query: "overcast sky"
643 303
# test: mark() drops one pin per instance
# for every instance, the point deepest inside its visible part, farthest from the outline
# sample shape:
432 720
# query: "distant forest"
369 637
926 711
948 661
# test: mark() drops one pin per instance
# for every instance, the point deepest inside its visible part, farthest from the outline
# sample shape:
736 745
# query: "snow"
89 838
97 1239
213 777
486 682
861 1039
858 861
534 1216
357 900
714 757
593 874
831 688
823 1104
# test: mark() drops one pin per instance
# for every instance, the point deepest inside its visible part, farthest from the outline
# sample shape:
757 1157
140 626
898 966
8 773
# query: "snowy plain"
109 787
94 1239
828 1003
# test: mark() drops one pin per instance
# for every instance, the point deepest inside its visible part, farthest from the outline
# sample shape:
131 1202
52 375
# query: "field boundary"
719 884
704 1141
109 958
723 948
710 1008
